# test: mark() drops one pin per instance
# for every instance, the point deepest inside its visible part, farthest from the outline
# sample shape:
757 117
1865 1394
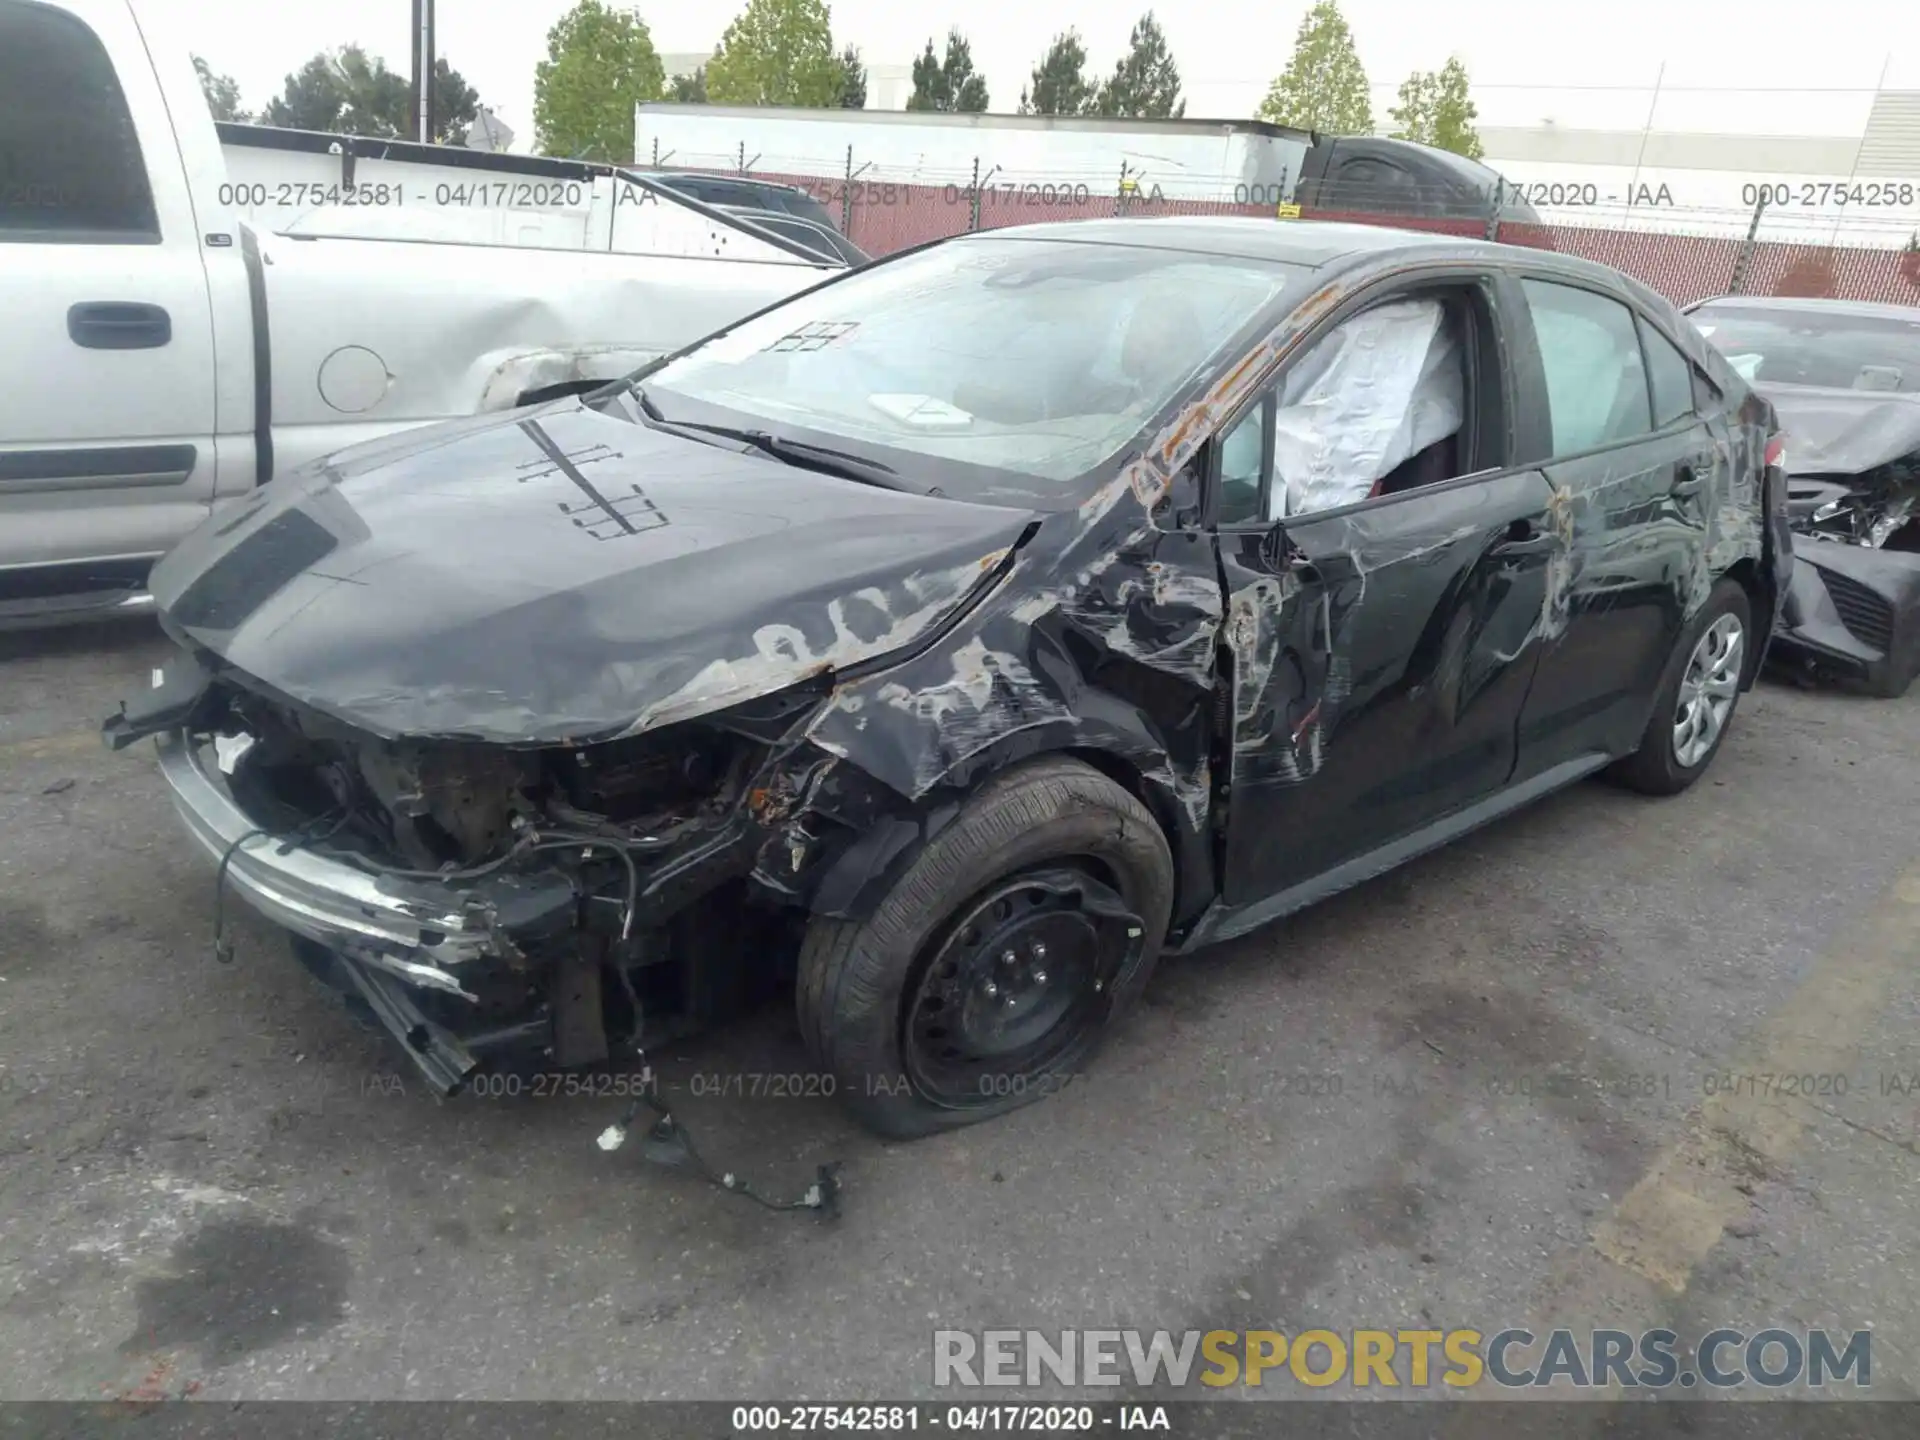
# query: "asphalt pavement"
1508 1084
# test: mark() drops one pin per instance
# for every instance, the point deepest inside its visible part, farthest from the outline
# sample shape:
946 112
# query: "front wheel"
998 961
1699 692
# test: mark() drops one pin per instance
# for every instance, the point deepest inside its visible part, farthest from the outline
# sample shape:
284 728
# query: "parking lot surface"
1513 1081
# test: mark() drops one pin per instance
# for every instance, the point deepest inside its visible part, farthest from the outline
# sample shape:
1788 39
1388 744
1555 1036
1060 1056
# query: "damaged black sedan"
948 642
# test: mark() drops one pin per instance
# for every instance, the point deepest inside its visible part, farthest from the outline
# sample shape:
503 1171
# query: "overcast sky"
1759 67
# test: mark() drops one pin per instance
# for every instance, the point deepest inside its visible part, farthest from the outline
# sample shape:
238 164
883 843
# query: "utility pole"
1646 131
1743 262
423 71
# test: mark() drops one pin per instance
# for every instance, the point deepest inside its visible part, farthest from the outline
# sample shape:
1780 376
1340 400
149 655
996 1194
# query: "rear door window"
1595 374
70 163
1669 377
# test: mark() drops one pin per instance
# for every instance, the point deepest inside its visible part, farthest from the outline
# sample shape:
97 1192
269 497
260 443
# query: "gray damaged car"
1844 378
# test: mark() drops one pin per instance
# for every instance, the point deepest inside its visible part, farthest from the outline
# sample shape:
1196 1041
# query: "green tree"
853 80
600 64
1145 85
349 92
1454 112
1436 108
346 92
777 52
222 92
456 105
1324 86
929 83
689 89
1060 85
1412 111
950 84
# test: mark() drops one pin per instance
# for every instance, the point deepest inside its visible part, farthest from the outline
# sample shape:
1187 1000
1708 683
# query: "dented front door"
1381 655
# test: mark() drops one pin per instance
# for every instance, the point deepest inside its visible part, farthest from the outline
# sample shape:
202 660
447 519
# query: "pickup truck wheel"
998 960
1698 694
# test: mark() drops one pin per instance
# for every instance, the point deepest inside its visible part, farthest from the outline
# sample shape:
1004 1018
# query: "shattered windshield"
1040 358
1816 347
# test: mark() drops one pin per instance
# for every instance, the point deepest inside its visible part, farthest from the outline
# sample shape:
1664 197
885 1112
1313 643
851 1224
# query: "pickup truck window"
70 165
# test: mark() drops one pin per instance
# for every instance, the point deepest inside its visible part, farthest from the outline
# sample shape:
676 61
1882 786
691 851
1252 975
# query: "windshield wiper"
802 453
812 457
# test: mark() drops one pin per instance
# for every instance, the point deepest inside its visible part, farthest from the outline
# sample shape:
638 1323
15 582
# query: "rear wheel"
1698 694
998 961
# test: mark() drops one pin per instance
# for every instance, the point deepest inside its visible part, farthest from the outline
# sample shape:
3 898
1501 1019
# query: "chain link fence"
1685 254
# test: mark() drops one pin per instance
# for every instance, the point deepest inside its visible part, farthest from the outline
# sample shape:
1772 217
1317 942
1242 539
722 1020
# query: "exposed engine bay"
592 876
1879 509
427 805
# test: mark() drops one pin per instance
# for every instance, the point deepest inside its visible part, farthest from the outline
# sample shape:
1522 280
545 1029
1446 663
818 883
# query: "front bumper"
1853 611
423 932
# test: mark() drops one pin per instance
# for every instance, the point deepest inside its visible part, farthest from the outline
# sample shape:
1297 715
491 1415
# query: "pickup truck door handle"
1686 481
118 325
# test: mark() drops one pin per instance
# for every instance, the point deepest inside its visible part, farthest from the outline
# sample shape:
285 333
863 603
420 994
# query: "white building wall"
1861 188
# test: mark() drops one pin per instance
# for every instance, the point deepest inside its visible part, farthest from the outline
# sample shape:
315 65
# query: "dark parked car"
1378 175
786 210
744 192
818 237
1844 378
953 639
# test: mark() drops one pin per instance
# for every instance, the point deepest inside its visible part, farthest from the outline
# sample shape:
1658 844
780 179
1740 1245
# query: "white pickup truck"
159 354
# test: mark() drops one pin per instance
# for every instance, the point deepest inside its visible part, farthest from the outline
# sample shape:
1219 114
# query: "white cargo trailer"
1036 156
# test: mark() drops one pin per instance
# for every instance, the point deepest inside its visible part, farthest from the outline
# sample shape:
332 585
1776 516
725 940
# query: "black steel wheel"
1018 986
999 958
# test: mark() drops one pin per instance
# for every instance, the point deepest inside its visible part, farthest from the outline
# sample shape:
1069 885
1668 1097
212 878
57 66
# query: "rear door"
1630 463
1381 651
107 383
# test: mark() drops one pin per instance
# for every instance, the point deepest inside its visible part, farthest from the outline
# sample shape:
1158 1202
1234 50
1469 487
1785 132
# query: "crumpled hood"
564 574
1844 432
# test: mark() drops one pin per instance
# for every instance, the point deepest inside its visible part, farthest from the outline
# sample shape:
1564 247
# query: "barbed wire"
1067 184
1390 87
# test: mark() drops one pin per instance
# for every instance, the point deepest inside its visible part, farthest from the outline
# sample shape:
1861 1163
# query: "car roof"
1383 147
1310 243
1867 308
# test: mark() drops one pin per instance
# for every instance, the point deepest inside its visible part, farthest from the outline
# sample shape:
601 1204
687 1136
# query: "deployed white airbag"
1381 387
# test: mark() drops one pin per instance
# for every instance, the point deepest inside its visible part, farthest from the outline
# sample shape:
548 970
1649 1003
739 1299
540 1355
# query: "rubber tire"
853 974
1653 769
1887 687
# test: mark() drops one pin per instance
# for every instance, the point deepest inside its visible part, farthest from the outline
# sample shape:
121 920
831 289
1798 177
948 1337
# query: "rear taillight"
1777 453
